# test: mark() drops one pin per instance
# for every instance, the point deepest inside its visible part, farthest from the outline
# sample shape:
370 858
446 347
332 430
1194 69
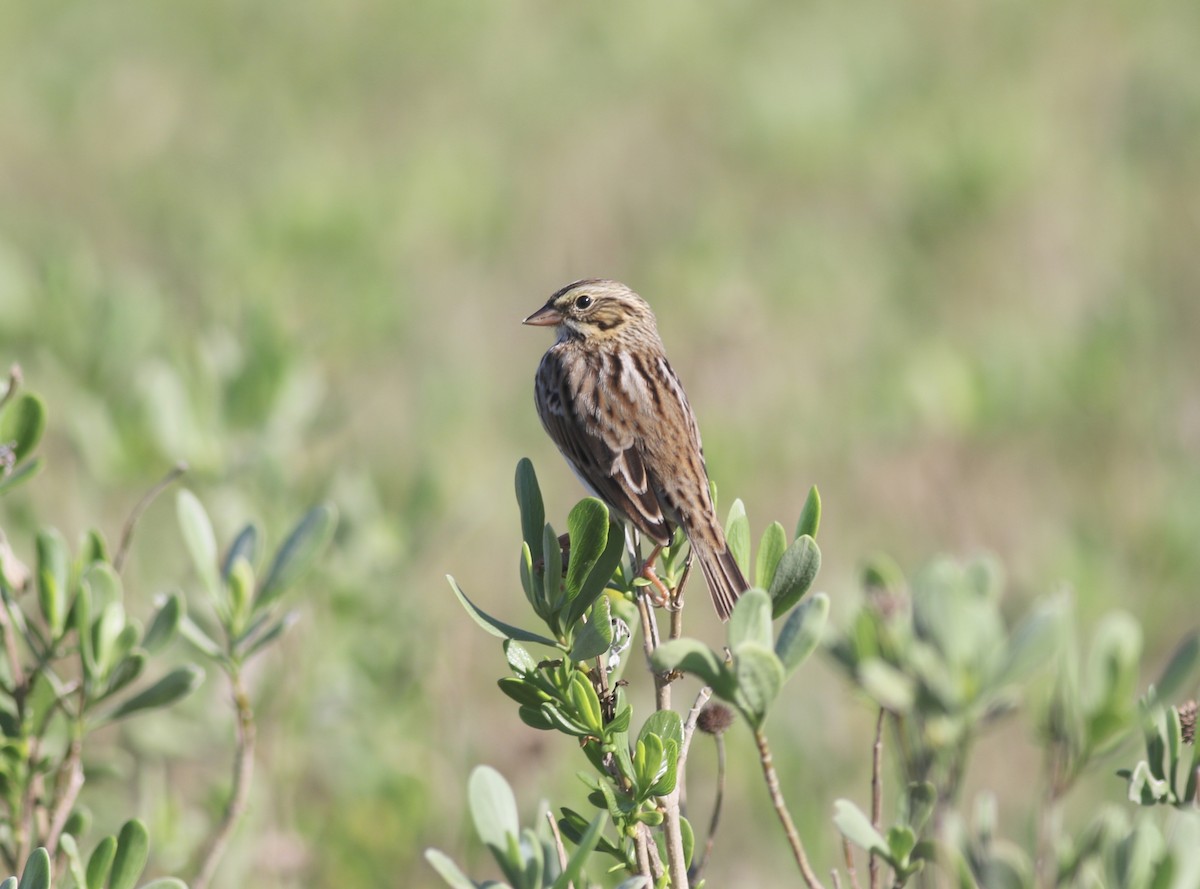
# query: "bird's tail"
723 576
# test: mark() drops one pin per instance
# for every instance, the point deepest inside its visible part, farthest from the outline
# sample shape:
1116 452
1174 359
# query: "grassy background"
938 259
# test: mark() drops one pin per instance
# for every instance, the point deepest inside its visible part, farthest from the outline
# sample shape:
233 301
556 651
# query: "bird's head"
596 311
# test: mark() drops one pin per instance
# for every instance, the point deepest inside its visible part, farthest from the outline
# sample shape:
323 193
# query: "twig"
558 844
72 767
715 821
135 515
689 727
837 880
785 817
848 854
876 794
243 771
10 648
641 845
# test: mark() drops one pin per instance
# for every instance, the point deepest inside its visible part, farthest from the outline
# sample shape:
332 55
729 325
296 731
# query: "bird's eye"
582 302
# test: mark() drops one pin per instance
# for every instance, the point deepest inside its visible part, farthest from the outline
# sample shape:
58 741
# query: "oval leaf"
493 807
37 871
796 572
21 426
759 677
750 621
533 513
133 848
810 515
856 827
298 552
801 632
165 624
177 684
690 656
770 550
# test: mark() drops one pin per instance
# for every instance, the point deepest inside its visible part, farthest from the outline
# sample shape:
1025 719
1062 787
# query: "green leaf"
68 846
810 515
37 871
802 632
901 841
533 513
919 803
200 640
595 637
268 636
105 630
23 473
1180 668
519 658
54 576
795 575
890 688
302 547
552 598
586 703
770 550
22 423
587 526
177 684
524 692
493 807
1112 663
133 848
1033 643
574 871
751 621
667 724
105 585
599 576
165 624
244 546
759 676
448 870
857 828
10 882
126 671
737 535
690 656
240 584
647 763
497 628
200 540
100 863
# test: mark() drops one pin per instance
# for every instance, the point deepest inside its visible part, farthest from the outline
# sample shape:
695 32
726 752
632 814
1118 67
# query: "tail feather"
724 578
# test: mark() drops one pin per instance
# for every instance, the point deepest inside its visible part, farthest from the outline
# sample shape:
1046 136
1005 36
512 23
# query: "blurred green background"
938 259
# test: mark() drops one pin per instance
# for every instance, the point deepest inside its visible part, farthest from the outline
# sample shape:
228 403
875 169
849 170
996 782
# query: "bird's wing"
608 463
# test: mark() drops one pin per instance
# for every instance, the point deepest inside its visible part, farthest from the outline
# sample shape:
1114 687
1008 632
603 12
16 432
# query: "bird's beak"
546 316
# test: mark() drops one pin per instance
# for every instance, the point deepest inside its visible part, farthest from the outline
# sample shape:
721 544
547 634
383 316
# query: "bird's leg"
663 594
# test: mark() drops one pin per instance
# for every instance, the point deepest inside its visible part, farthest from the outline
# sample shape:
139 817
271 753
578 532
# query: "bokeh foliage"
938 260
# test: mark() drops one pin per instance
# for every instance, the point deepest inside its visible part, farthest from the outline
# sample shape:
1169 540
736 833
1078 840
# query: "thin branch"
785 817
848 853
558 844
689 727
67 793
715 821
10 649
243 771
837 880
135 515
876 793
641 844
